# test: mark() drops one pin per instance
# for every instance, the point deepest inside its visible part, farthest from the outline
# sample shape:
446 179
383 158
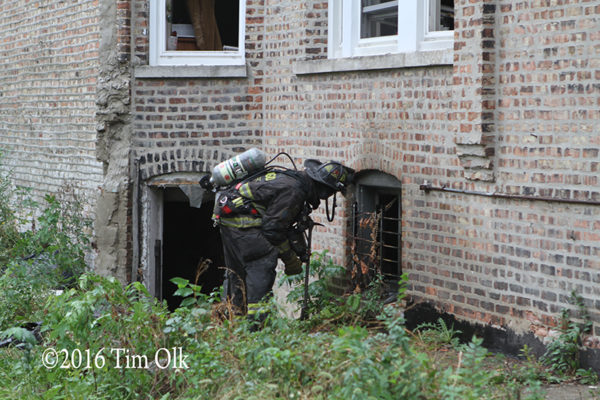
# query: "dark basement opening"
377 227
189 238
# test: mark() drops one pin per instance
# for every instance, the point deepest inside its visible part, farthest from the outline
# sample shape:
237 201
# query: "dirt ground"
572 392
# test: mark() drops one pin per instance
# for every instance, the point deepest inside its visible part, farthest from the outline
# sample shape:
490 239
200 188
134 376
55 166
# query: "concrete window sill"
203 71
369 63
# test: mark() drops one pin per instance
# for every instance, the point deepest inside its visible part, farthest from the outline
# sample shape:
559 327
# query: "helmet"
332 174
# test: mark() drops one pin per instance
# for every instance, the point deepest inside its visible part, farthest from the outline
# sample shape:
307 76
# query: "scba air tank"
238 167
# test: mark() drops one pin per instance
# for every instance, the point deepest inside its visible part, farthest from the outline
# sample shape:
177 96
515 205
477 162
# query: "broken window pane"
202 25
378 18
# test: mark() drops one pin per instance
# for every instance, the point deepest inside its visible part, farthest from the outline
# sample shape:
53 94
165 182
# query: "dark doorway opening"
189 238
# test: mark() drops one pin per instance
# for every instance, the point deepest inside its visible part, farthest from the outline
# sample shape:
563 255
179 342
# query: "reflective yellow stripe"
261 210
241 222
238 202
246 192
256 308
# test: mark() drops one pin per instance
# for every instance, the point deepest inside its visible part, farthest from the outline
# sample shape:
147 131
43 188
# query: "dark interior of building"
226 14
189 238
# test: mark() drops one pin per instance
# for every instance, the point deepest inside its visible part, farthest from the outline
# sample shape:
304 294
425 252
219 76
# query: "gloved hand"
298 245
304 257
293 265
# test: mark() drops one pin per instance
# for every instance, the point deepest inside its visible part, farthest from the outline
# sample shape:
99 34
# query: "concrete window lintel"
196 71
176 179
367 63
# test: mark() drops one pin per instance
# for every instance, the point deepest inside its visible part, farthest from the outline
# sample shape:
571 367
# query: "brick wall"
190 125
514 263
515 114
510 263
548 91
182 125
48 74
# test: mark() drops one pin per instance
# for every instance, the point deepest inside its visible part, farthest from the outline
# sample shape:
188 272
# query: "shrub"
8 219
286 359
326 306
34 262
24 289
61 235
87 322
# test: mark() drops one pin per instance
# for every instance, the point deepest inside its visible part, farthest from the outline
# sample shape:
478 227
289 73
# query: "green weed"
438 334
326 306
351 347
562 355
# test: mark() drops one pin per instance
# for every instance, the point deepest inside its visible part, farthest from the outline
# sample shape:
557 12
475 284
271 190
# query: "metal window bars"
376 241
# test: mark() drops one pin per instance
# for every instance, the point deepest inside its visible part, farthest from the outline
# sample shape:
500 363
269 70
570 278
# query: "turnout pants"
251 261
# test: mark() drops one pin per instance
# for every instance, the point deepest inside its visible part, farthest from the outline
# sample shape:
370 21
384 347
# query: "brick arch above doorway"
196 159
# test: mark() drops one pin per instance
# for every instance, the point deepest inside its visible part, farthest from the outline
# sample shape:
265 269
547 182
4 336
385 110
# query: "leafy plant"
327 306
522 380
192 293
562 353
8 218
465 381
438 334
62 233
24 289
286 359
96 318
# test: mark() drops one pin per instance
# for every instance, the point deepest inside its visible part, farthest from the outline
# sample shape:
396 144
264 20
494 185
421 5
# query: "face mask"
324 191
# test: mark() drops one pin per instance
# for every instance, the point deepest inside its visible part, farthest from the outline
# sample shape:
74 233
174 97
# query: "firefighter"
256 219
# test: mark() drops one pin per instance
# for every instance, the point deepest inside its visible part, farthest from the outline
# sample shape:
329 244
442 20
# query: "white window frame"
413 31
160 56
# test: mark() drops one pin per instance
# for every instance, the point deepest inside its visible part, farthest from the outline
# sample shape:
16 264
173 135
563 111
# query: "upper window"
373 27
197 32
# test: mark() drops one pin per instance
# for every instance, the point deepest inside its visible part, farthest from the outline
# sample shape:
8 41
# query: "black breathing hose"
330 219
283 153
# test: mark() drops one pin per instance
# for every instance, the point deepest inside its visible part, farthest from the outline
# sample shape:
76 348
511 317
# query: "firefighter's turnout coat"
255 217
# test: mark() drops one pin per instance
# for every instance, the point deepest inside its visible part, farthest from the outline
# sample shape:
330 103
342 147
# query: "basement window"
377 227
197 32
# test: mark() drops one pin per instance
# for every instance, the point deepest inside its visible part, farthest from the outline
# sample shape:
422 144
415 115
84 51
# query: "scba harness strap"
236 207
232 209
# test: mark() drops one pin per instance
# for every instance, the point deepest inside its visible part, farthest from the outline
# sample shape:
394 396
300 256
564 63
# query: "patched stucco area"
113 222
